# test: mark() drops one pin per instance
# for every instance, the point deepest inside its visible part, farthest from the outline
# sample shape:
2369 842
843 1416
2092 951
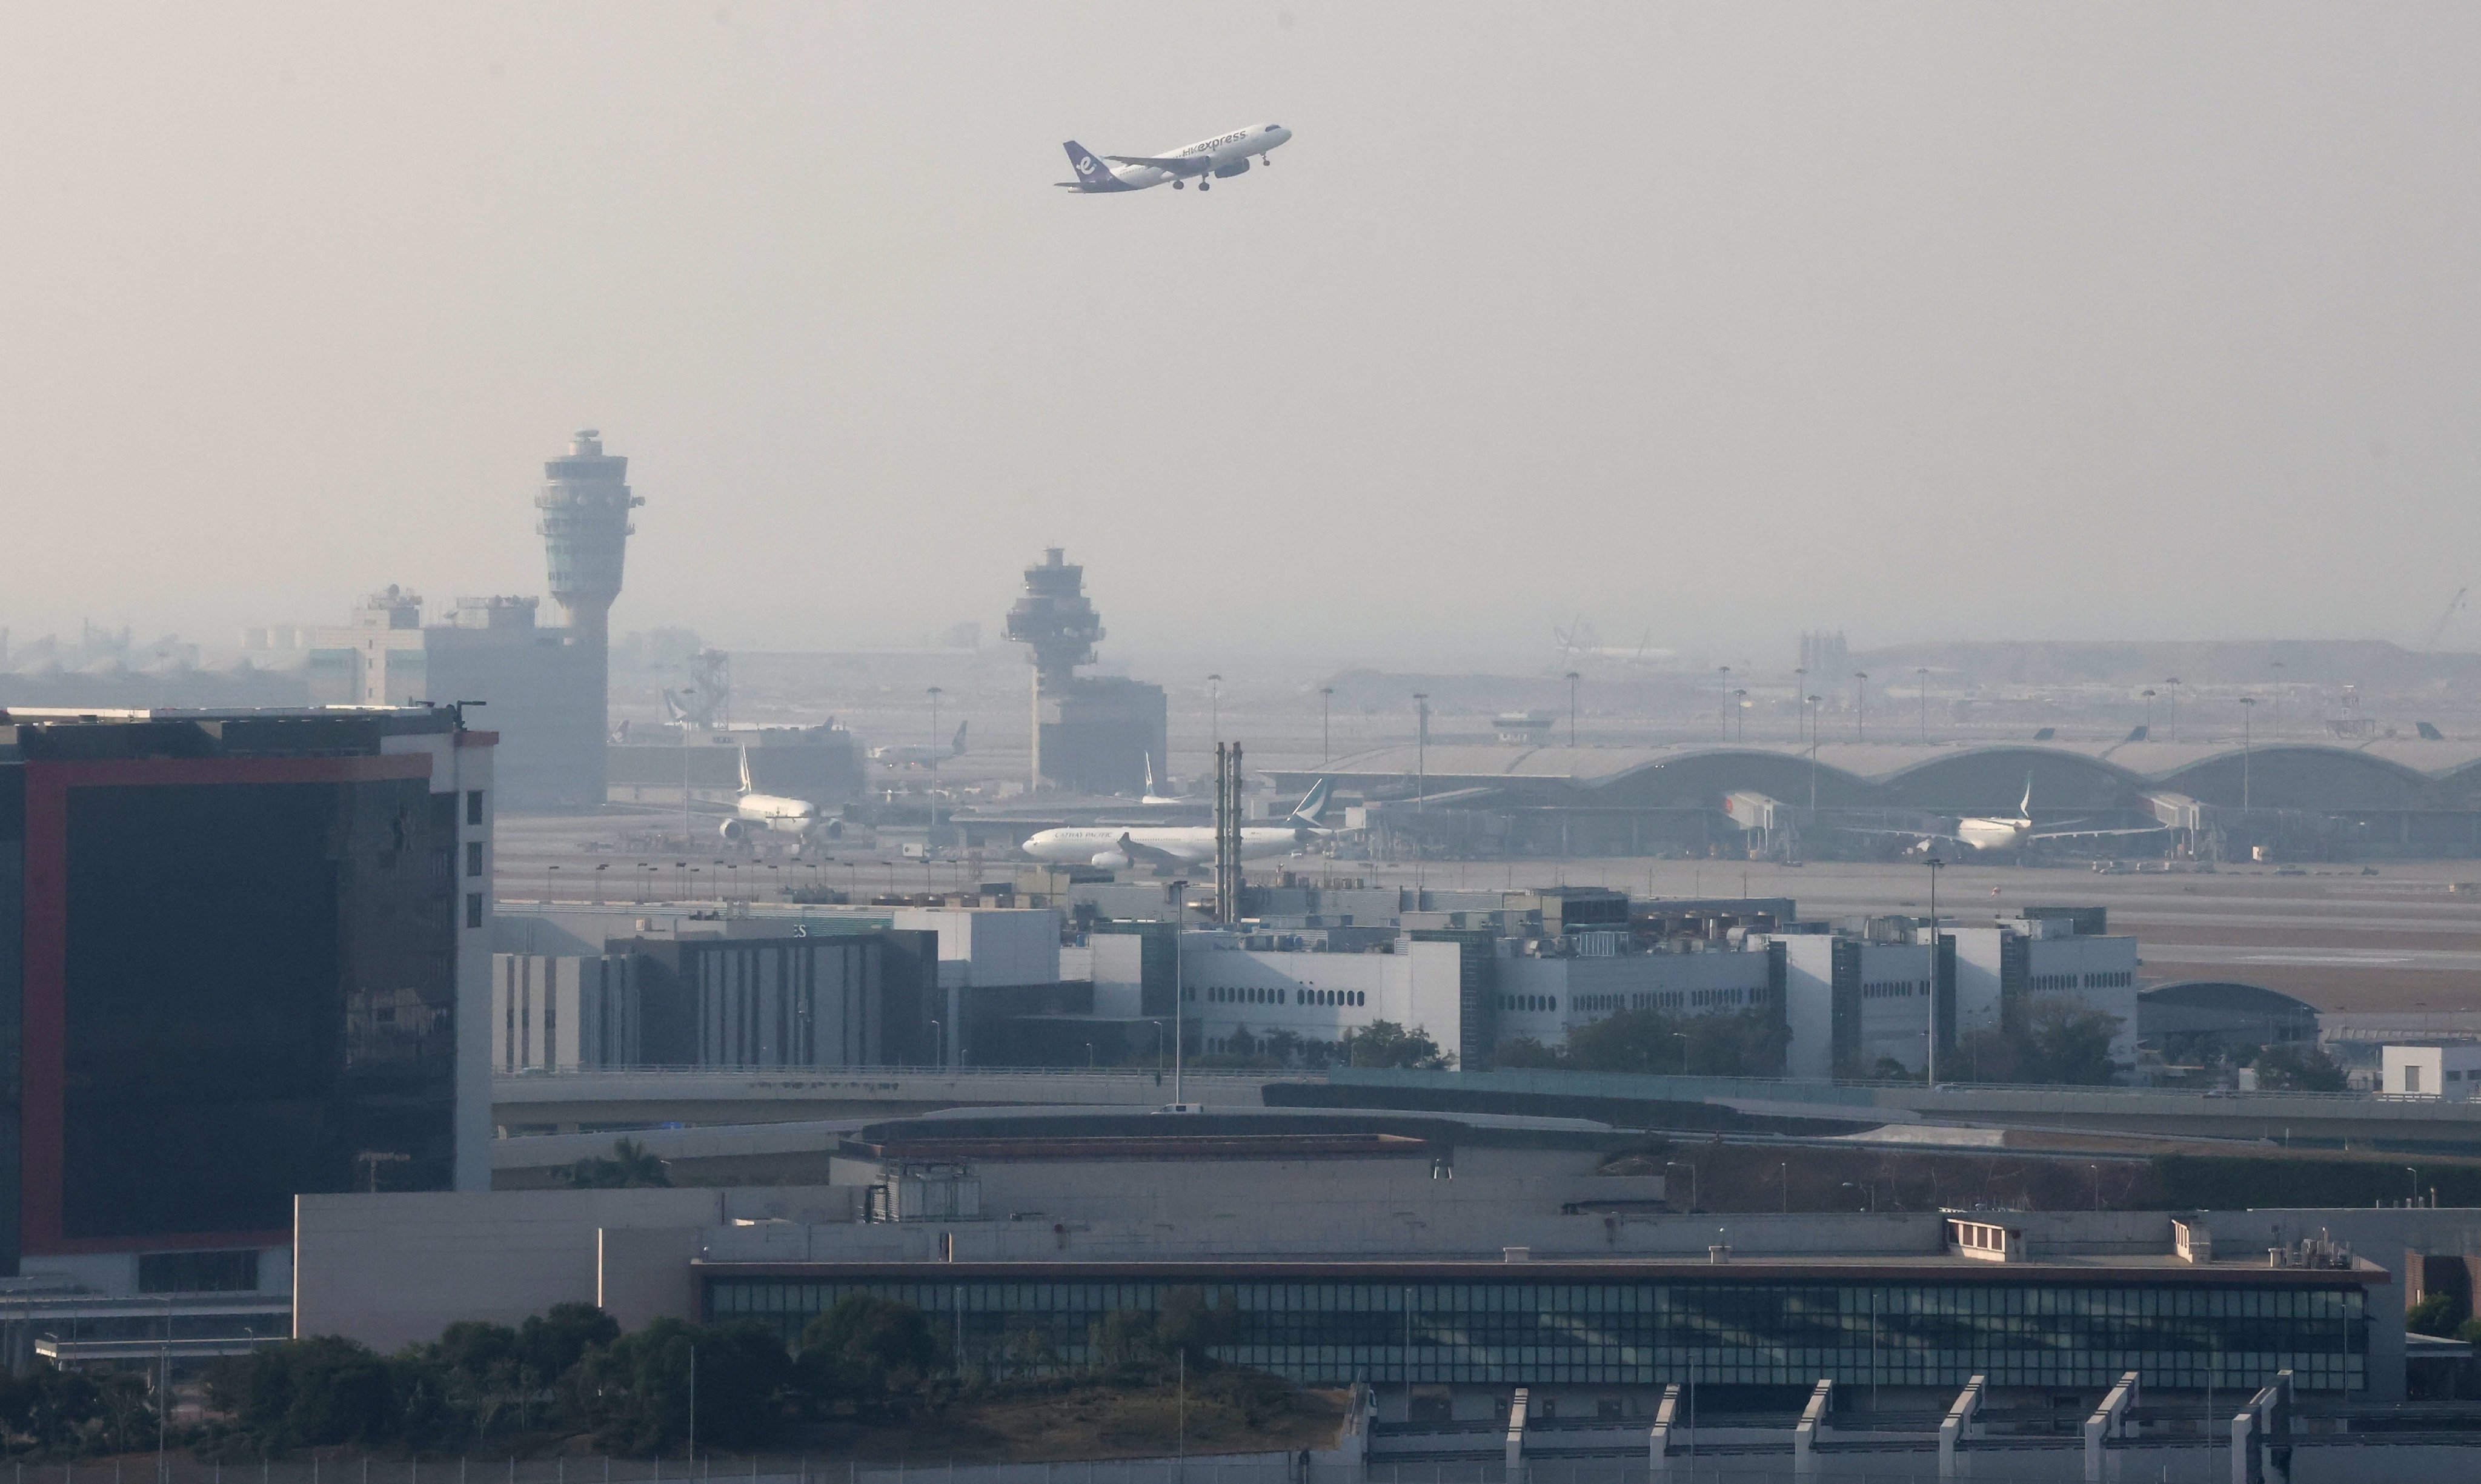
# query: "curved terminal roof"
2395 773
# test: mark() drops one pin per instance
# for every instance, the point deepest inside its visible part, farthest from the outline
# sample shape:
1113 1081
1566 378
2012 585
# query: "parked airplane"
1221 157
920 754
1112 846
754 812
1150 796
1986 833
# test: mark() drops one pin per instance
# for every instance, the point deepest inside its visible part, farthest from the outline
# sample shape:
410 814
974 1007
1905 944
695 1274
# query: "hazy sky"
1718 321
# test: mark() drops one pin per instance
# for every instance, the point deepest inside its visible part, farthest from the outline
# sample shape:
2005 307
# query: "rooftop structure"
1093 734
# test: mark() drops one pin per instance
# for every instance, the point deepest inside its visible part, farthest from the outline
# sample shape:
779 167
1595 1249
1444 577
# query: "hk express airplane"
1220 158
1177 845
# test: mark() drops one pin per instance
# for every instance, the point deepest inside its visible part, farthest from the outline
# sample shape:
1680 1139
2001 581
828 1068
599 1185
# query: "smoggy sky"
1715 322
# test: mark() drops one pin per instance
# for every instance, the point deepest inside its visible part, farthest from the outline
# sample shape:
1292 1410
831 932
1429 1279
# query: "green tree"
638 1388
2299 1067
2070 1043
873 1352
322 1392
1629 1041
628 1167
2438 1314
1382 1043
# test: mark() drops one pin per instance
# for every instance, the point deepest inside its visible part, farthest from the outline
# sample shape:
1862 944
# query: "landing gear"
1206 185
1180 185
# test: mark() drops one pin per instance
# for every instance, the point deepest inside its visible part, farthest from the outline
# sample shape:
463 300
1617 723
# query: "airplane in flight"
1178 846
1205 162
921 754
1984 834
755 812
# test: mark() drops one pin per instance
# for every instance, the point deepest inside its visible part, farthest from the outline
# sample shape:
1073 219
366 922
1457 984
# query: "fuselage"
1193 842
1988 834
1223 155
793 816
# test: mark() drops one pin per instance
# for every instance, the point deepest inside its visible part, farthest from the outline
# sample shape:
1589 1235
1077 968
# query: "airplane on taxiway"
921 754
1205 162
754 813
1985 834
1178 846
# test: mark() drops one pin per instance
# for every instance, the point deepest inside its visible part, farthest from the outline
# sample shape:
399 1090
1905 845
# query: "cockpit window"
1272 127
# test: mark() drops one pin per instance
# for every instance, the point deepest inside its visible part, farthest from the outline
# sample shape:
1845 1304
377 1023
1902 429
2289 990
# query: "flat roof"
1922 1267
1172 1146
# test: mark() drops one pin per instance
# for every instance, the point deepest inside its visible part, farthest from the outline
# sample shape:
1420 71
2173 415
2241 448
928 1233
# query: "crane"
2439 629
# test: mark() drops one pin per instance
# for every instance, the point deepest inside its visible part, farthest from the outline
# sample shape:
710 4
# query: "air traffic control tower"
586 505
1091 734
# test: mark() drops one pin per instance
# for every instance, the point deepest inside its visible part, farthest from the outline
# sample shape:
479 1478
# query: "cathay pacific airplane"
754 812
1221 157
1177 845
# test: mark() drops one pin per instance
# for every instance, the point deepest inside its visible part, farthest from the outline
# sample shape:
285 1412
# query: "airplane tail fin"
1311 805
1091 173
1150 774
956 748
746 786
2025 810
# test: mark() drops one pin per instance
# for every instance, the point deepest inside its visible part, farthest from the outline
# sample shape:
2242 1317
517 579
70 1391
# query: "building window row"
1894 989
1514 1002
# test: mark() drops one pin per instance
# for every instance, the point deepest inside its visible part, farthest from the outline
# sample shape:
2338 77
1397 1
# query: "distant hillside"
2371 664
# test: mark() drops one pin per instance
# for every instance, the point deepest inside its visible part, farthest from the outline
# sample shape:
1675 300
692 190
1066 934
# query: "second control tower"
1093 734
586 504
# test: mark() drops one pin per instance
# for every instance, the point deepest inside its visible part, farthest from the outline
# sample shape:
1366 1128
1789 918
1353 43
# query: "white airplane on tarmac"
1178 846
754 812
921 754
1150 796
1986 833
1221 157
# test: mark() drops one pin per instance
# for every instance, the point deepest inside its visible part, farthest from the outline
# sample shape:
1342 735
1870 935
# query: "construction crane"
2452 603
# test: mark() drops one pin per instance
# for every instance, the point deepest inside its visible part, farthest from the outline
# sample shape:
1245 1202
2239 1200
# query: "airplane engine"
1110 860
1227 172
732 830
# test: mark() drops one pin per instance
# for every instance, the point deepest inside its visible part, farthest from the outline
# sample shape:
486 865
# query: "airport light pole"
1326 735
1861 705
1799 689
1573 678
686 838
1726 672
935 715
1813 761
1422 752
1923 672
1179 991
1930 1062
2248 708
2148 713
1739 712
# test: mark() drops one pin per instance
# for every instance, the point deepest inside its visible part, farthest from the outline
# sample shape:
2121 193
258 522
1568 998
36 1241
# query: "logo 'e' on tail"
1091 173
1312 804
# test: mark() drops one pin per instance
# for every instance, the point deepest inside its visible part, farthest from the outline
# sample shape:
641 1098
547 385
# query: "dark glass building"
231 953
1636 1323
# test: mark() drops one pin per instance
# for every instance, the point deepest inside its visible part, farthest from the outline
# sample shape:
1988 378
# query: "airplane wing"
1148 854
2081 834
1906 834
1178 164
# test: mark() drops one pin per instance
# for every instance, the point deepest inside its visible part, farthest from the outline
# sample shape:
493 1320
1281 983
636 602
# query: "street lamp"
1813 761
1422 751
1923 672
1326 742
1869 1191
1690 1165
1935 864
2248 708
1740 712
1573 678
1726 672
1799 689
1861 705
